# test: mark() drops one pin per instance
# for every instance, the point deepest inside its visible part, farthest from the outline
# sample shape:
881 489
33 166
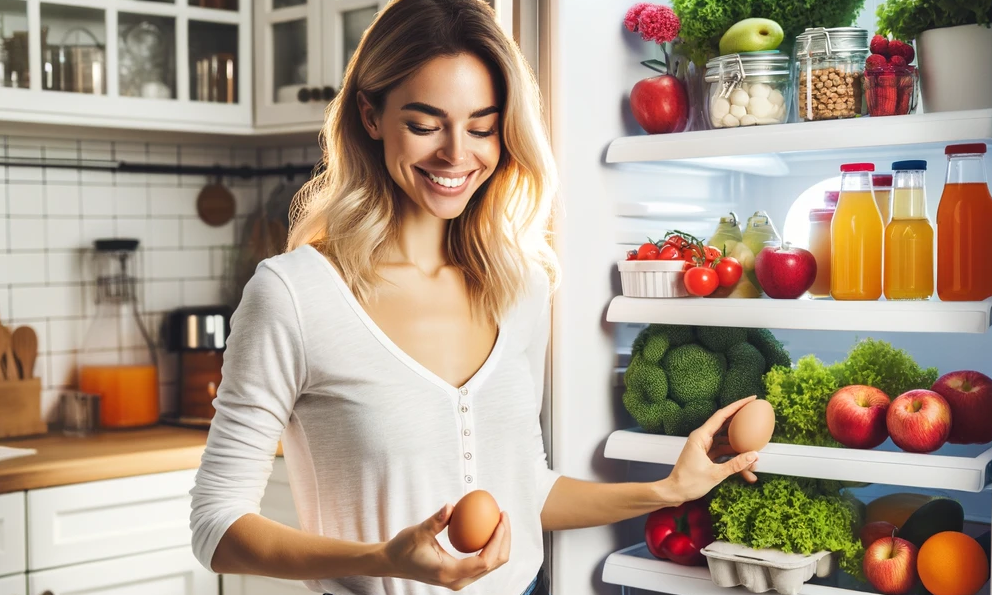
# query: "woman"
400 342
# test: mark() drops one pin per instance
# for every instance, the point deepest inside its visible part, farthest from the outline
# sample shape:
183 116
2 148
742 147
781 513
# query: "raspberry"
897 61
875 61
880 45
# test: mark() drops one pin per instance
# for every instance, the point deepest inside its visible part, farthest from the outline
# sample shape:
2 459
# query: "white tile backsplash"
49 218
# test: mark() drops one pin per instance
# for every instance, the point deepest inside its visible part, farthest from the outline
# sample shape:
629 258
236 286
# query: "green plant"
799 396
877 363
705 21
906 19
679 375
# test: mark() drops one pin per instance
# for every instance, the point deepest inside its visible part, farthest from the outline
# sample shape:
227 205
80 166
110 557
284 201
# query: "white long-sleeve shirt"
373 441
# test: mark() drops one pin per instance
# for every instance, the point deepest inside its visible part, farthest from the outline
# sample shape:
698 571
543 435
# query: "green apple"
751 35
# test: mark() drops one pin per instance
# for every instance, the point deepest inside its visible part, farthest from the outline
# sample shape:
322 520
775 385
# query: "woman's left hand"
695 473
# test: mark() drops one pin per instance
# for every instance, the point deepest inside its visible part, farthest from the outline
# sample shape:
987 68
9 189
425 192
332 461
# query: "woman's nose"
453 150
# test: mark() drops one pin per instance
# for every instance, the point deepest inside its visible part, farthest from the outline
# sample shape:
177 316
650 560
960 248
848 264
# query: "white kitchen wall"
50 217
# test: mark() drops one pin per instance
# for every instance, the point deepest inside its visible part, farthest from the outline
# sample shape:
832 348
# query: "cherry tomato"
701 281
647 251
631 254
729 271
669 252
711 254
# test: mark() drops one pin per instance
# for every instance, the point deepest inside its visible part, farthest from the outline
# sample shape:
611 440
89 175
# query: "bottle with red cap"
964 221
856 233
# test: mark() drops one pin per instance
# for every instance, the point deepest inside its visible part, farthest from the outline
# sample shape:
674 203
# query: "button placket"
468 437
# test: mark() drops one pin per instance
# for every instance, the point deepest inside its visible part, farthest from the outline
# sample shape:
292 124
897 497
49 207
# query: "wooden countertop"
63 460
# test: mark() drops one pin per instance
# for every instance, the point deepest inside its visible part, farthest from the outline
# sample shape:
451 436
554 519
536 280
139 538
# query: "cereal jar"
748 89
830 66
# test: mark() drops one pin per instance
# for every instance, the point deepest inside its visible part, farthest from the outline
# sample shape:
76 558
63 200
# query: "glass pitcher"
117 360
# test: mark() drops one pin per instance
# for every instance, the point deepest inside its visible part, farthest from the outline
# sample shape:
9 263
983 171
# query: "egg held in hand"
751 428
473 521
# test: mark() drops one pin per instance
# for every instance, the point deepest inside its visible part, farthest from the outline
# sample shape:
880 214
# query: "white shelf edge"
805 314
858 133
966 474
629 569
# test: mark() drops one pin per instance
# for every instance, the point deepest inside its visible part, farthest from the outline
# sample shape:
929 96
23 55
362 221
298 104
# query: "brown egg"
751 427
473 521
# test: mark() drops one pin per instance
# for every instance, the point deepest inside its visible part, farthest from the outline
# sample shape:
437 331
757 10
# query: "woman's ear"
369 118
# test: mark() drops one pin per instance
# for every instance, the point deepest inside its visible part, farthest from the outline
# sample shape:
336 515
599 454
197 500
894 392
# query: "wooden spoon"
9 370
24 344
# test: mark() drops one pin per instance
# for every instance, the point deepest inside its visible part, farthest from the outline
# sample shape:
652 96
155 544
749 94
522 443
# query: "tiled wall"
50 217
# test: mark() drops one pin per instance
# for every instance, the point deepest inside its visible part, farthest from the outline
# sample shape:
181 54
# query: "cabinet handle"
315 94
303 95
329 93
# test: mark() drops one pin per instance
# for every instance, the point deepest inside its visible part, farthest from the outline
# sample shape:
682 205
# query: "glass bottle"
856 237
819 246
117 361
908 263
882 187
758 234
964 221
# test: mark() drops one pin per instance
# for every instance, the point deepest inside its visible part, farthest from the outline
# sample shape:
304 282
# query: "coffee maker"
199 336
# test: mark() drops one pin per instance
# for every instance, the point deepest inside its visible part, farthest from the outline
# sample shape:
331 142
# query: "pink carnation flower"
659 24
633 15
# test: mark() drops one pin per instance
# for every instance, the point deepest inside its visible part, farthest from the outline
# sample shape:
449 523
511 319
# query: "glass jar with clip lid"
118 361
748 89
830 65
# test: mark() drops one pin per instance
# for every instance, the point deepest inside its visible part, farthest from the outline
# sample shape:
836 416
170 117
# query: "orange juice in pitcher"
856 237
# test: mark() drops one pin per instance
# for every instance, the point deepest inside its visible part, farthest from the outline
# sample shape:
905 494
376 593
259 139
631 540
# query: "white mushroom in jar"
760 90
760 107
738 111
739 97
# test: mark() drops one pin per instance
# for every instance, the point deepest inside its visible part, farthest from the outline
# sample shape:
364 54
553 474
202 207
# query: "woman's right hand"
416 554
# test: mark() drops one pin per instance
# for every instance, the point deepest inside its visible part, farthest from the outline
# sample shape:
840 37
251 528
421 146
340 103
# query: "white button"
464 391
466 432
468 479
468 456
464 408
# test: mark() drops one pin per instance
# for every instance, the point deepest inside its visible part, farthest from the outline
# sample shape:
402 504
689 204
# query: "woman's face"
440 133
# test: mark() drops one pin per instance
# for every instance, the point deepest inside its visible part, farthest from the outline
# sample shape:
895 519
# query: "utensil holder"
20 408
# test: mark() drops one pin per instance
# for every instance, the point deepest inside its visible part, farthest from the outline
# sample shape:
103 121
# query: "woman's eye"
484 133
420 130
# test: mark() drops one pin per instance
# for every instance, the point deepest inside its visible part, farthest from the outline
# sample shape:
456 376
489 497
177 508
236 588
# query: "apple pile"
890 80
955 409
705 268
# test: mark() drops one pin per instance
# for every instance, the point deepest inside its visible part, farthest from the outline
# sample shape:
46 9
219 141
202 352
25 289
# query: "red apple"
890 566
785 273
875 530
660 104
919 421
856 416
969 394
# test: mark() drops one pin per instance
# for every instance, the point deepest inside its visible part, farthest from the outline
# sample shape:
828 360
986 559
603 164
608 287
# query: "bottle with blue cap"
909 236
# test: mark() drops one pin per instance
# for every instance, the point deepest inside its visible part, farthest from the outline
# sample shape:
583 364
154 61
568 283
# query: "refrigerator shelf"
635 567
819 315
961 473
835 135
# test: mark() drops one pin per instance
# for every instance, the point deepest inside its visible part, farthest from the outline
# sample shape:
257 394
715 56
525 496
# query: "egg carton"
765 570
652 278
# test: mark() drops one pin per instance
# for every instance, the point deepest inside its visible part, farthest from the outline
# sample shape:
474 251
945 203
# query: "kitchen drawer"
105 519
277 502
239 584
13 539
16 584
173 571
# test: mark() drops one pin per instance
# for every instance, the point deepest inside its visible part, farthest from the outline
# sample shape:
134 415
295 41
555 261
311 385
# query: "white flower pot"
955 70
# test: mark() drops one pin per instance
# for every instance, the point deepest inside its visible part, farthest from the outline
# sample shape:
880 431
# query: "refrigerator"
620 186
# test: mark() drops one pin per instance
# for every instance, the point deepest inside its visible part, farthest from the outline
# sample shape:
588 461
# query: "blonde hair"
349 211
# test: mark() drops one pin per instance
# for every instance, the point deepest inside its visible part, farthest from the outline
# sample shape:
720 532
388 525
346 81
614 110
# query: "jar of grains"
830 66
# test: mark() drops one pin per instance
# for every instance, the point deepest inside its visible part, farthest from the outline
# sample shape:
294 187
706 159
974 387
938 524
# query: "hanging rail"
288 170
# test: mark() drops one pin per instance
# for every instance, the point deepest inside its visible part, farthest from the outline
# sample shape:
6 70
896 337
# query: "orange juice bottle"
964 222
856 237
881 185
909 236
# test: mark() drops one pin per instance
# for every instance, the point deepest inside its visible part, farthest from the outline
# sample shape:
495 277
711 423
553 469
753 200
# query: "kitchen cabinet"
13 554
302 50
16 584
165 64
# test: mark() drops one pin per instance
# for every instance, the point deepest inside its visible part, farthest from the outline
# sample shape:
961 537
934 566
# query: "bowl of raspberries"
890 79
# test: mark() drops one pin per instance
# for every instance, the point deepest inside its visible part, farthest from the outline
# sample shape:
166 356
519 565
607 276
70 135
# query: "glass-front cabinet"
151 64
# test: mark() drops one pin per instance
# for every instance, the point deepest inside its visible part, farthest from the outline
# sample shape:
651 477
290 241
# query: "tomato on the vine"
669 252
647 251
701 281
729 271
711 254
631 254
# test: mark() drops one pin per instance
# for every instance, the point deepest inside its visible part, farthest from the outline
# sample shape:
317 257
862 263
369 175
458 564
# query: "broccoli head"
679 375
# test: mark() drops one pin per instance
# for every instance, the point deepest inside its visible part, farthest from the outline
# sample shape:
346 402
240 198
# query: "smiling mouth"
444 182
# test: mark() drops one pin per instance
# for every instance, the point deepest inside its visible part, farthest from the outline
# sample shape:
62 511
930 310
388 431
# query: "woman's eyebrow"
437 112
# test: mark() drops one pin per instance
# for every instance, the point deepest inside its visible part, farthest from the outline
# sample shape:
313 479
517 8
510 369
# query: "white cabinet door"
14 585
166 572
104 519
289 90
344 22
237 584
13 554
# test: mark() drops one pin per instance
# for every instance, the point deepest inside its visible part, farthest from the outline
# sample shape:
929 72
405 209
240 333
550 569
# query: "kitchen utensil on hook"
215 204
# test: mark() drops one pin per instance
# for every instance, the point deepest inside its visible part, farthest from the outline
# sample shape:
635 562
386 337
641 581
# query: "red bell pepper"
677 534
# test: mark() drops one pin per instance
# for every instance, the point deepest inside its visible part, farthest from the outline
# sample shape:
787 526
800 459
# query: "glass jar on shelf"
830 66
748 89
118 361
819 246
